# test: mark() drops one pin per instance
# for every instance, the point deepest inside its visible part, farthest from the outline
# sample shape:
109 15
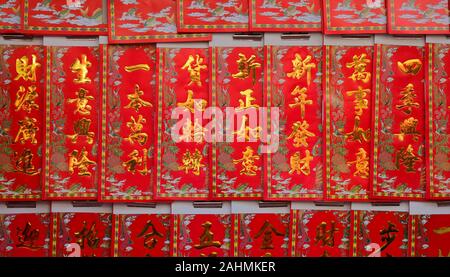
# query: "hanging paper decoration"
11 16
128 117
21 122
399 118
430 235
72 127
294 85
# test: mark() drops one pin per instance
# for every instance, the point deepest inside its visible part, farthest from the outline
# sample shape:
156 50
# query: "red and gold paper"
437 116
22 71
72 128
286 16
261 235
182 168
356 16
202 235
141 235
295 170
380 234
64 17
237 166
320 233
146 21
398 123
91 231
417 17
348 88
212 16
25 235
430 235
11 16
128 123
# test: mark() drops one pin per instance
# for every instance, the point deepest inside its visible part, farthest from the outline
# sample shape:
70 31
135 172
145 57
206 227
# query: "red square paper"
64 17
202 235
11 16
25 235
380 234
356 16
286 16
294 86
141 235
430 235
128 122
22 96
212 16
146 21
81 234
320 233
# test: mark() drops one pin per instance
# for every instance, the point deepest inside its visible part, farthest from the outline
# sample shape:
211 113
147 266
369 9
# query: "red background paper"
11 16
425 242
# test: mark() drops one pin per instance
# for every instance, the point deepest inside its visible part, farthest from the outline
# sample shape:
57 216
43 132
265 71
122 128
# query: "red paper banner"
25 235
430 235
141 235
399 120
182 162
437 105
202 235
72 127
261 235
21 121
380 234
417 17
237 82
11 16
286 16
212 16
320 233
356 16
293 84
81 234
146 21
66 17
128 116
348 87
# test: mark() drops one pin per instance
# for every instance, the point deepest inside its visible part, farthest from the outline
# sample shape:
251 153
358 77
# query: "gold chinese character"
300 101
27 130
267 230
81 128
135 100
407 99
358 134
135 161
136 67
25 100
207 237
80 67
386 235
442 230
194 66
87 235
360 102
26 71
361 164
192 161
300 66
245 132
150 238
192 132
245 67
81 102
301 165
300 133
248 162
359 64
136 127
81 161
411 67
407 158
27 237
249 99
325 236
193 104
408 127
24 163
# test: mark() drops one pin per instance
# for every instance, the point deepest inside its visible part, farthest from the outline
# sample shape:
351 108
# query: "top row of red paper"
128 21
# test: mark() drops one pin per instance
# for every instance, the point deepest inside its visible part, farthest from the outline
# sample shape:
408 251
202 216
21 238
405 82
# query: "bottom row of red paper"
305 233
